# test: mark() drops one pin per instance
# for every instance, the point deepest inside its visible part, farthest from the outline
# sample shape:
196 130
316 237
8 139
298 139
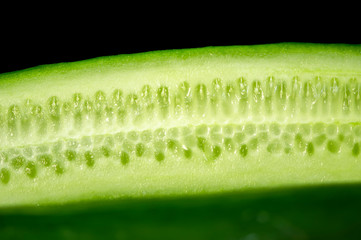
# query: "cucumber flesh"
180 122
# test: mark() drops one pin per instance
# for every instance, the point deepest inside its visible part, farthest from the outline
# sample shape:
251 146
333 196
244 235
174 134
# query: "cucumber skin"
84 76
73 76
327 212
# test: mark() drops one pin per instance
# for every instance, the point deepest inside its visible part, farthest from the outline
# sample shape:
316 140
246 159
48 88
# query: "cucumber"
181 122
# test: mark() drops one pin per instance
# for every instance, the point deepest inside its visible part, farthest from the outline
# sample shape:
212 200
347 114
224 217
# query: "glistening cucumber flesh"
180 122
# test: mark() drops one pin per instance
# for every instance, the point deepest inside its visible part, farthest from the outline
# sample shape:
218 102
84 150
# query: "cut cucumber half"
181 122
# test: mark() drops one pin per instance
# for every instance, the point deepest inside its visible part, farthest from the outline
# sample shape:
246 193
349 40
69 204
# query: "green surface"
327 212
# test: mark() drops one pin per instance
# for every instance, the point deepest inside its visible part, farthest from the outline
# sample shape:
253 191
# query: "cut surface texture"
177 122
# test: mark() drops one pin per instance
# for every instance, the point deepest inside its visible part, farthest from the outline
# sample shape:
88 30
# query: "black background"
30 42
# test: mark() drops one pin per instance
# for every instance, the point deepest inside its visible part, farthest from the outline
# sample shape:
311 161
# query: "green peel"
181 122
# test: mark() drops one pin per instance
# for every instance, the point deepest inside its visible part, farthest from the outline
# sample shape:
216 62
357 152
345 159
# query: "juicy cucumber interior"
179 122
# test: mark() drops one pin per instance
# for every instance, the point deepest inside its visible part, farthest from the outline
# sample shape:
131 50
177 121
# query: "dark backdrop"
34 43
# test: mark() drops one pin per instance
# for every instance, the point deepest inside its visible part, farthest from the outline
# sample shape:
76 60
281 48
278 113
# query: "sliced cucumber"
180 122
